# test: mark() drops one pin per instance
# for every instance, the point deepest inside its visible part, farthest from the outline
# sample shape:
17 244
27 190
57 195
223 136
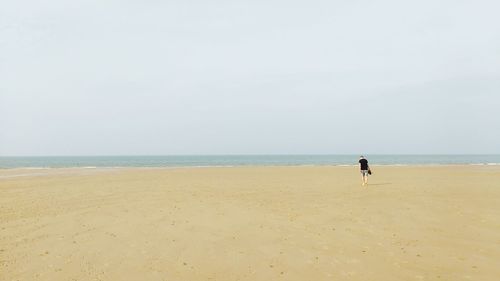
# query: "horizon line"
255 154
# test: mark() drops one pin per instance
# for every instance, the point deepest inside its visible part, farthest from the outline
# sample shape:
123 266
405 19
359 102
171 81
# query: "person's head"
361 157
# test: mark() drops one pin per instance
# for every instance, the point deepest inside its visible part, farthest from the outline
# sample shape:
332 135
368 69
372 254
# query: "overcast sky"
249 77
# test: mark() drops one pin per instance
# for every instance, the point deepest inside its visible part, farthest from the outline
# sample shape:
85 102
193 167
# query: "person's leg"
364 178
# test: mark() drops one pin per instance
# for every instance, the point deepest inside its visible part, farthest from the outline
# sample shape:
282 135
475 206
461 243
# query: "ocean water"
240 160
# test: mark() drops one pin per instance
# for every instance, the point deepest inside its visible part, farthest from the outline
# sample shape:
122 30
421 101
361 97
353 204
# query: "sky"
249 77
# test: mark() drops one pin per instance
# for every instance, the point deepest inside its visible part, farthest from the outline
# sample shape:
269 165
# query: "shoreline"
202 161
254 166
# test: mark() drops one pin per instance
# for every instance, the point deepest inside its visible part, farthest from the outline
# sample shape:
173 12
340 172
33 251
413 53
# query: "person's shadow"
381 183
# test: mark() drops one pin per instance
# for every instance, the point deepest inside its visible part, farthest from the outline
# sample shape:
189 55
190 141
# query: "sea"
240 160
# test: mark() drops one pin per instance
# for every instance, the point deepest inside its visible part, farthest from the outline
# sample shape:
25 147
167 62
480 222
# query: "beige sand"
252 223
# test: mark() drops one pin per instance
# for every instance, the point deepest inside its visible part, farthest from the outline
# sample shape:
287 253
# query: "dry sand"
250 223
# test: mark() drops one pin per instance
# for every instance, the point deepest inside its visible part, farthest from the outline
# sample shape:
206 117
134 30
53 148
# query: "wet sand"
250 223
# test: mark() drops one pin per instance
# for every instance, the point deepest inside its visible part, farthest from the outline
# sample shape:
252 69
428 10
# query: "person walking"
365 170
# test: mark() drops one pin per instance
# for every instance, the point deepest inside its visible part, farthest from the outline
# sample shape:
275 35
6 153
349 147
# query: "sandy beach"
250 223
